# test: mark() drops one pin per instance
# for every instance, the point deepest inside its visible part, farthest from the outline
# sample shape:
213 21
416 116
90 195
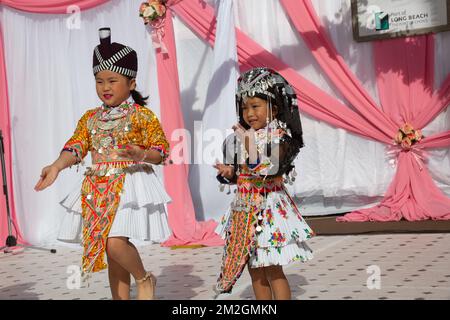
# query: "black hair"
137 96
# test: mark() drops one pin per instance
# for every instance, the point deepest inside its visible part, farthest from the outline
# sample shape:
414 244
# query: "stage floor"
412 266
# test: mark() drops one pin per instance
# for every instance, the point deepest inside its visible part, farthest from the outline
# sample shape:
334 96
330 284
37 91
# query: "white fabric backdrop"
51 85
217 114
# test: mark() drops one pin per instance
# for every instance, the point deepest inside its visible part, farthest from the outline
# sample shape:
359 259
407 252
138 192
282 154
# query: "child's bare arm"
65 160
50 173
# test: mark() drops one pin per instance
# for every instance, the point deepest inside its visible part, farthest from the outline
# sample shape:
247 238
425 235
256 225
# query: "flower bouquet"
407 136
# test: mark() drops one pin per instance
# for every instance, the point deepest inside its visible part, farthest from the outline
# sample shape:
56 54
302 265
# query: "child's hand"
48 176
224 170
133 152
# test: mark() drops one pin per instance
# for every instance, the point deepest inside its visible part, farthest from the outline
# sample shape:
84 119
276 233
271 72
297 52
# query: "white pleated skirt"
141 214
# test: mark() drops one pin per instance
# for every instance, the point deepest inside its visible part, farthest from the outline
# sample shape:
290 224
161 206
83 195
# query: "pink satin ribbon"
418 153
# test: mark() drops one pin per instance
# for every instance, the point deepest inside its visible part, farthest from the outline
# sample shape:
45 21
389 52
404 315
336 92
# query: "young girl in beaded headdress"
121 197
263 227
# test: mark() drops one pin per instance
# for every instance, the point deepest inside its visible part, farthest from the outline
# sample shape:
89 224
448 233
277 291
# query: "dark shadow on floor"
177 283
19 292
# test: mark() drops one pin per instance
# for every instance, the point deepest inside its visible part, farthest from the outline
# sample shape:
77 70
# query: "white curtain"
51 85
214 91
439 159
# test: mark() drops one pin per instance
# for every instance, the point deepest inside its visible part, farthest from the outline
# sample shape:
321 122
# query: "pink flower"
143 6
399 137
418 135
407 136
282 212
406 143
269 217
152 10
160 9
407 128
149 12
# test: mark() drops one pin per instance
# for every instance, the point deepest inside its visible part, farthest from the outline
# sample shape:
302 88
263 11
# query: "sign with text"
382 19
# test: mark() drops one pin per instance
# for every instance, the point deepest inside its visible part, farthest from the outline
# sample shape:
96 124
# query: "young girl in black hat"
121 197
263 227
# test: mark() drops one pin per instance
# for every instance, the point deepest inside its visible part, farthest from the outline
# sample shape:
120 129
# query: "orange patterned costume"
104 131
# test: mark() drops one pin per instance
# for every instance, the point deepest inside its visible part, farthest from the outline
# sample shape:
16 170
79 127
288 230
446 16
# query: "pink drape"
50 6
5 127
405 84
405 75
306 22
186 230
200 18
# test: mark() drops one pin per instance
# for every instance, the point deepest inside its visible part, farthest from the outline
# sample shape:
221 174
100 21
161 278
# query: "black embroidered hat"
114 56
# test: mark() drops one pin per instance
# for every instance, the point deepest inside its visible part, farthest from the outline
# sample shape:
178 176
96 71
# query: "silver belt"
106 172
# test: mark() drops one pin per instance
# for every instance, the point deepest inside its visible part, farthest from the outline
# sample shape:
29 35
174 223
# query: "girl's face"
113 88
254 111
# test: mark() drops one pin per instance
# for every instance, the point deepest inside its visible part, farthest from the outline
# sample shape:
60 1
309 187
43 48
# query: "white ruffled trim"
141 189
148 223
72 202
141 214
292 252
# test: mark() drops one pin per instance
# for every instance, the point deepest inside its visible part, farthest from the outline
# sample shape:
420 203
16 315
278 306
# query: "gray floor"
410 266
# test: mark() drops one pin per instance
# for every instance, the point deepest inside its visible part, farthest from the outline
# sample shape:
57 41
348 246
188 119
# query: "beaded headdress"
269 85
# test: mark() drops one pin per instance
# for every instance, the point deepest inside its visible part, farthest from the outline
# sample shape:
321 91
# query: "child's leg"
126 255
278 282
120 250
261 286
119 280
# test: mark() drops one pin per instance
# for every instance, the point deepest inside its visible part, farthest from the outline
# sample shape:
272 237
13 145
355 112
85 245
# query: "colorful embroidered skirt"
263 227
